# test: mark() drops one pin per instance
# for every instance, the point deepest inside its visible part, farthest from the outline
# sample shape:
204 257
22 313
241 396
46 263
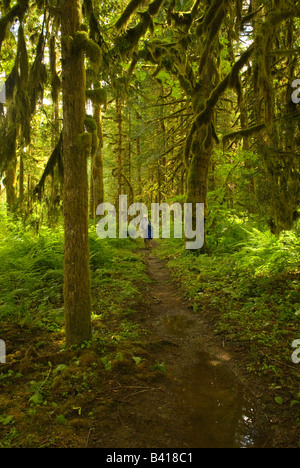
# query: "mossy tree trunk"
77 295
97 181
21 183
10 184
120 145
201 144
197 182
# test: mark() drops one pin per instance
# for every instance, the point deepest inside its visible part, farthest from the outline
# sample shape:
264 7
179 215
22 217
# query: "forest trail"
201 403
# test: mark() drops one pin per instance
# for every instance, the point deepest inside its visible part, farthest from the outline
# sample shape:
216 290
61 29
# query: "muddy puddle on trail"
212 404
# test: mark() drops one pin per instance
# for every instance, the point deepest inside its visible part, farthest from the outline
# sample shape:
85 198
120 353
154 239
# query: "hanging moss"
94 24
182 20
8 138
6 20
21 96
84 142
95 141
184 83
214 31
246 19
128 12
208 18
262 75
54 160
23 114
23 57
90 124
238 135
206 114
11 82
67 43
55 80
91 49
38 74
97 96
17 11
127 43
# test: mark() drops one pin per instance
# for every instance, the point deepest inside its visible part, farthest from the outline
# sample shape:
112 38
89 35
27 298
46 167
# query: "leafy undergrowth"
51 396
249 292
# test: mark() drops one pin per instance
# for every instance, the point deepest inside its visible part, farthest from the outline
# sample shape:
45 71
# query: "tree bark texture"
77 295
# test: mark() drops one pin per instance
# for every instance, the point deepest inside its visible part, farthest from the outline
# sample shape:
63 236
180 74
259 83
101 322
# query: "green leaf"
77 408
279 400
160 366
7 420
60 419
37 398
59 368
137 359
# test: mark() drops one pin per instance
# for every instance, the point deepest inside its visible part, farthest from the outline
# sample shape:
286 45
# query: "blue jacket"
147 227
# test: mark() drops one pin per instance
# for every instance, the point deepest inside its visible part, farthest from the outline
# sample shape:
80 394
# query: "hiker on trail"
147 231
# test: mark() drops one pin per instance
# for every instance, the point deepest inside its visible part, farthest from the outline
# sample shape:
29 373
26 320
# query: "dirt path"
201 401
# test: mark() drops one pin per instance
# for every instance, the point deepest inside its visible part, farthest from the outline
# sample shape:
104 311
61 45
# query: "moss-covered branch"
206 20
97 96
131 8
247 132
55 159
92 50
128 42
229 80
17 11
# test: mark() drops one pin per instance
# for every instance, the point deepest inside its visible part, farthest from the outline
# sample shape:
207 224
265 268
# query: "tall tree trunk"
199 167
201 146
120 145
21 183
139 166
77 295
10 184
97 181
138 157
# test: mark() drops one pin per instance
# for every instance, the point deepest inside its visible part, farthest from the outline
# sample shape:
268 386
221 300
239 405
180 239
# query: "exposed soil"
203 400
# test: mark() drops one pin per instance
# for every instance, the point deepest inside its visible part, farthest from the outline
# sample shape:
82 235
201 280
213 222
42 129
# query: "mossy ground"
52 397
